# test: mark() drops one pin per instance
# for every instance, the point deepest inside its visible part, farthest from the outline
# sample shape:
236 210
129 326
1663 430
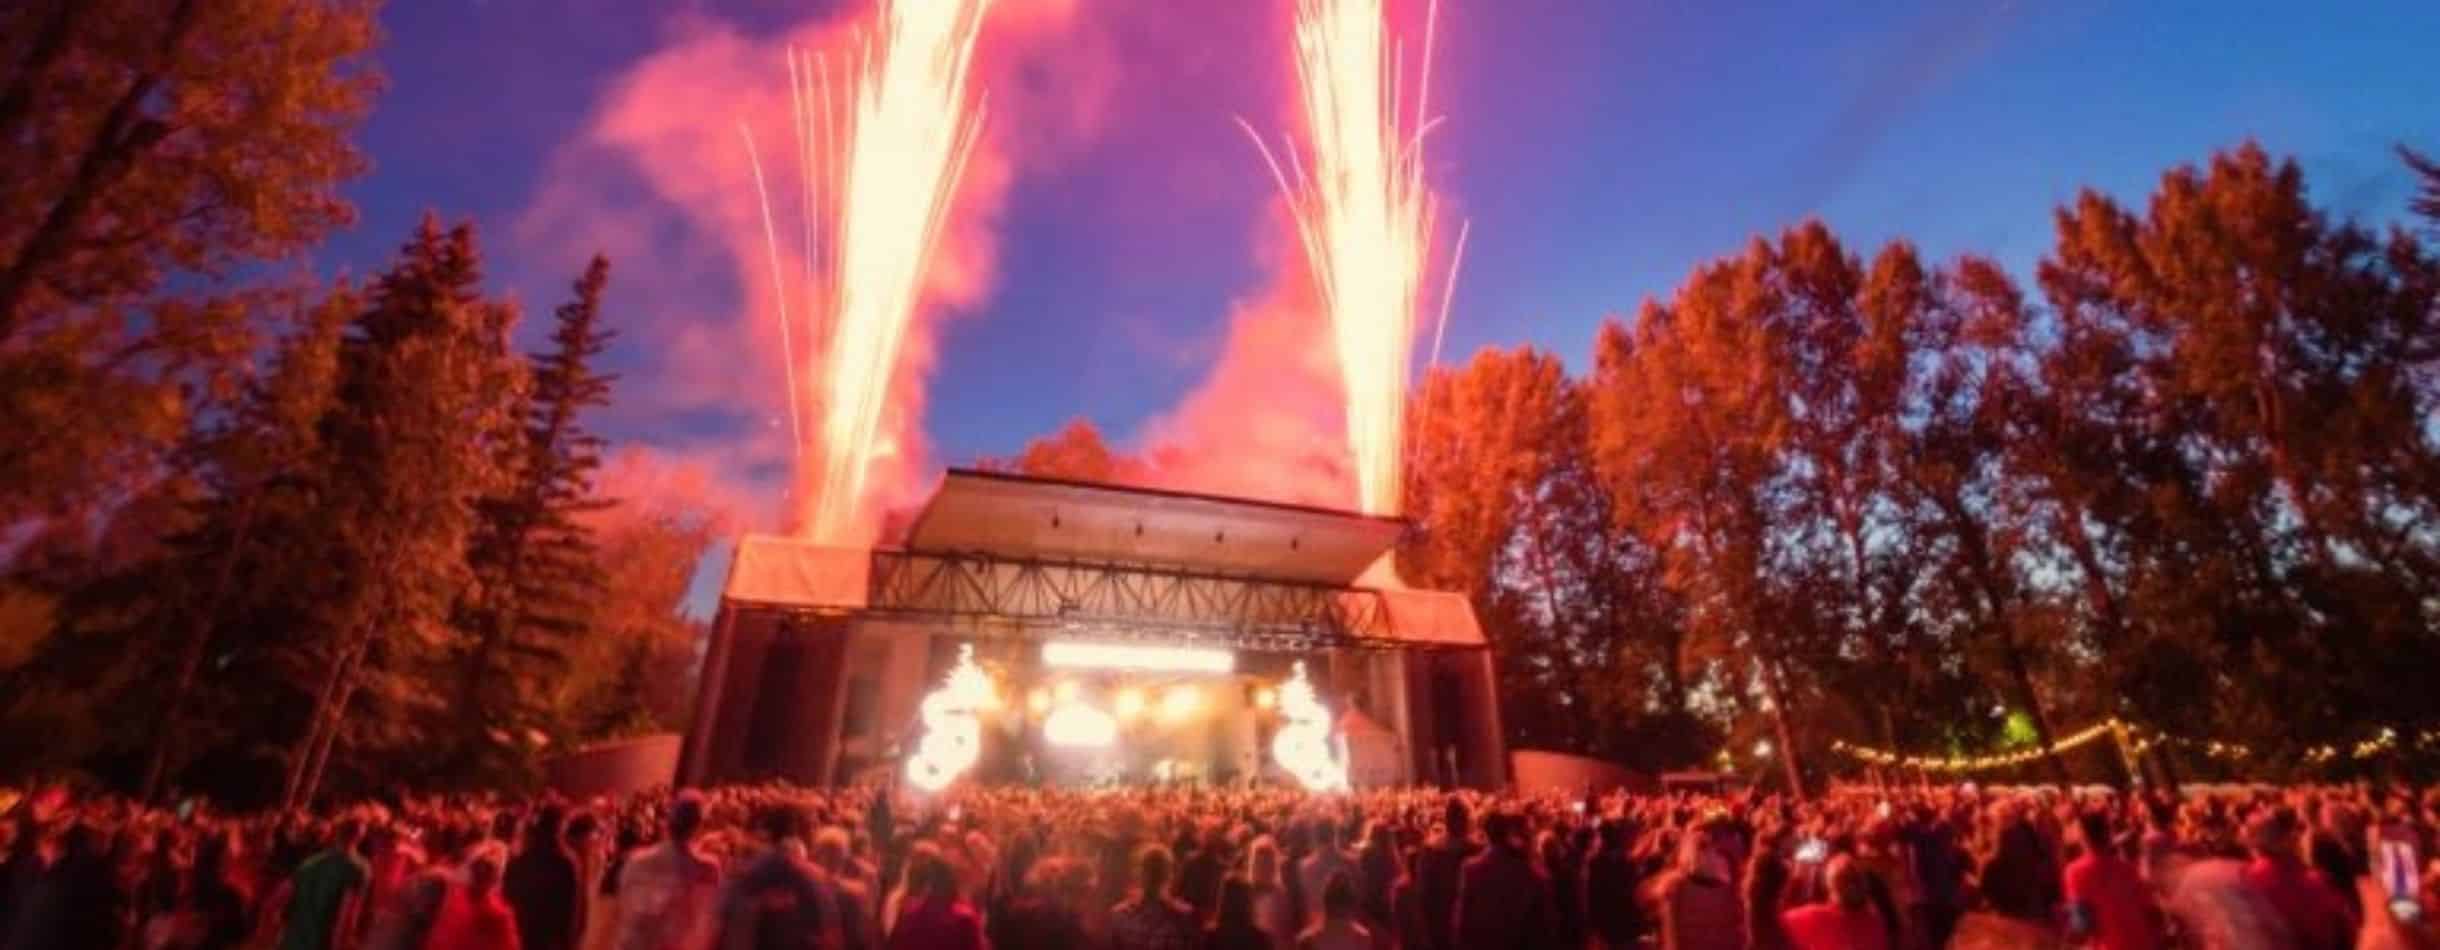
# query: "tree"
262 468
2257 379
1076 452
422 367
151 154
533 555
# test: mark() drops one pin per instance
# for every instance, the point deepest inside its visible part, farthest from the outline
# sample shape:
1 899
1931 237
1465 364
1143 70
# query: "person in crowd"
74 900
851 910
476 915
1380 869
2109 906
543 885
1338 927
1609 888
1048 911
777 900
1557 866
1234 927
1438 870
1699 904
1765 886
1329 857
1502 901
932 916
1848 921
2315 914
327 892
1150 919
1205 866
666 892
1272 910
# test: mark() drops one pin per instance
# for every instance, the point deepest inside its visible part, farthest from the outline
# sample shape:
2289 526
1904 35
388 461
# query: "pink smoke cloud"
661 181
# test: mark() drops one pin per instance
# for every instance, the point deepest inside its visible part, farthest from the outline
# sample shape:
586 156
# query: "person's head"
1455 815
2093 830
2272 834
1262 860
830 848
929 875
584 832
1236 904
542 831
1339 900
778 823
1153 864
483 866
685 816
1325 833
1849 888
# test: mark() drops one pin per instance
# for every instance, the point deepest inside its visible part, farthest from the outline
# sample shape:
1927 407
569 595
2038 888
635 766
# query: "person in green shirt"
326 892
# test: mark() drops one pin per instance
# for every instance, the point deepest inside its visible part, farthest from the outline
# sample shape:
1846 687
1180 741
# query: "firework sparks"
1364 218
878 173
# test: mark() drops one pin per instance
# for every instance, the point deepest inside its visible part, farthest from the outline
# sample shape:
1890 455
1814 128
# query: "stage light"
1064 692
1181 703
1038 701
1073 654
953 737
1129 704
1078 726
1265 698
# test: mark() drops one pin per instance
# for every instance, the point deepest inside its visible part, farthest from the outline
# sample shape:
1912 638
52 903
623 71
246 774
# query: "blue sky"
1600 150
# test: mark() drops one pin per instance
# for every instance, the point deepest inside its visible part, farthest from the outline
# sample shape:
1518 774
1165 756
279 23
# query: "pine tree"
533 555
423 366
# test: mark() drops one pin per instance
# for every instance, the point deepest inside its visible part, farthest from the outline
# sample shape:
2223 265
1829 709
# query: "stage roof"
1025 517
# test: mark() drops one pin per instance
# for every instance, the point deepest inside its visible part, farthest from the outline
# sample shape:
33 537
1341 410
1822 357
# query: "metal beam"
999 596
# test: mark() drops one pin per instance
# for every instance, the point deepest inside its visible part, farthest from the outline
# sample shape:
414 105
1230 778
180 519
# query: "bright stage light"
1078 726
1037 701
953 735
1072 654
1064 692
1265 698
1129 704
1181 703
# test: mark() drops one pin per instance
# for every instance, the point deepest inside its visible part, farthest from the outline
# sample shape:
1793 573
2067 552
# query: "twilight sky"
1601 148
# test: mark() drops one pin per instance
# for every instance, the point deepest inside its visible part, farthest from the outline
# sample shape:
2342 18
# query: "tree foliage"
151 155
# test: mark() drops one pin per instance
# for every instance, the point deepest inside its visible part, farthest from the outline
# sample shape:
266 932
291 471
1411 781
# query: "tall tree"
150 155
423 367
533 555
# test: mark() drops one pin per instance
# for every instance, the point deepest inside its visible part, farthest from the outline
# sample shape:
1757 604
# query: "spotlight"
1038 701
1265 698
1064 692
1129 704
1181 703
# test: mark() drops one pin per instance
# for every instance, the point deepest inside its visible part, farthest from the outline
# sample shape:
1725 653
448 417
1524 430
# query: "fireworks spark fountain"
1364 218
878 174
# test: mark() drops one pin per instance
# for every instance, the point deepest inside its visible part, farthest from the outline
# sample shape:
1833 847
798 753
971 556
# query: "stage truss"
994 596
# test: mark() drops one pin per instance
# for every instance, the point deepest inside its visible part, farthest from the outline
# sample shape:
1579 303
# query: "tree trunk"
190 657
2022 675
330 742
1773 682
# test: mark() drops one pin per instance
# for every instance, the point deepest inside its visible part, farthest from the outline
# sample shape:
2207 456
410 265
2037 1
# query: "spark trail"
1364 218
878 173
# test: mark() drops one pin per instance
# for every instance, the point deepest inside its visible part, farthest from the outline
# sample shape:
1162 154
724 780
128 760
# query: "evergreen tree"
425 365
533 554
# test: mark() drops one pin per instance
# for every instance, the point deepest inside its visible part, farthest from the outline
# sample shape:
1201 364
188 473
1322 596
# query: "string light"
2136 740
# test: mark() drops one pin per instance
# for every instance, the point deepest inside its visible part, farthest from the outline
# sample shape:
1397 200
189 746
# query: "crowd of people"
1185 868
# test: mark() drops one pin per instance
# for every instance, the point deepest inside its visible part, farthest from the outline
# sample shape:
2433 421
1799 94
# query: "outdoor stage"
1132 635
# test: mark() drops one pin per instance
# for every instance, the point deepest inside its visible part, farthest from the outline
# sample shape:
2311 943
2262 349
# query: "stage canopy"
1014 549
